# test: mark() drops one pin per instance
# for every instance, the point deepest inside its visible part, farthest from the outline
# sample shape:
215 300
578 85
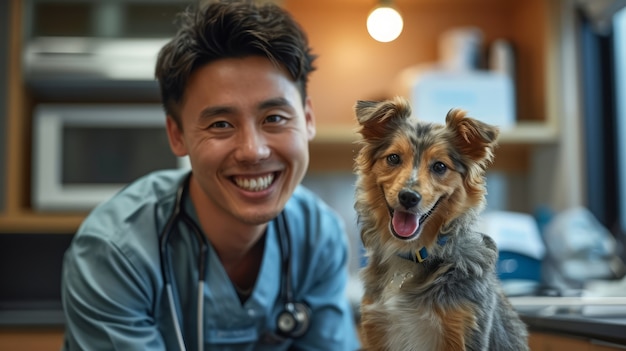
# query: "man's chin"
258 218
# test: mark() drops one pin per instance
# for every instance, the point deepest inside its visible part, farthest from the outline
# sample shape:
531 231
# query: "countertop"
601 319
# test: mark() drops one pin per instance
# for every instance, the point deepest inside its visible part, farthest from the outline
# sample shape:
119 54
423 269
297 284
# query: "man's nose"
252 146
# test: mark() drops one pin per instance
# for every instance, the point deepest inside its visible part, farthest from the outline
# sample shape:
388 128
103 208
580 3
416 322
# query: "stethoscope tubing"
177 328
200 315
168 229
177 213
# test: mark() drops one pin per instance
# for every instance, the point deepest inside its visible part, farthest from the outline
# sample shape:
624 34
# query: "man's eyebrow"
275 102
212 111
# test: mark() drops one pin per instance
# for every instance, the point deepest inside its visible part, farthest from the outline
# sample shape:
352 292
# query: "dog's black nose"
409 198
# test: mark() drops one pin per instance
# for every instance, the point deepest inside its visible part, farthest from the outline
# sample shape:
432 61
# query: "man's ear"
175 137
309 116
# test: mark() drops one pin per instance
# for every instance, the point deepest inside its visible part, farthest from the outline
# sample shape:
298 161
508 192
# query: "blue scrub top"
113 291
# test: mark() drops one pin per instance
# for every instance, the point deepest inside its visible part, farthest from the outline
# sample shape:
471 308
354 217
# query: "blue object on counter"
513 265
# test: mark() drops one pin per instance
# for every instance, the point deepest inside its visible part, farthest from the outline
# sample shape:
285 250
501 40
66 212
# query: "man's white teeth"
255 184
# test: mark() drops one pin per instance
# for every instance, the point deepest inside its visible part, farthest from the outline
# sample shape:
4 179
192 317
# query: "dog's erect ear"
473 138
375 116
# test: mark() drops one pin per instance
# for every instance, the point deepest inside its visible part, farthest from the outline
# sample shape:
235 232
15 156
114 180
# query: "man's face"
246 132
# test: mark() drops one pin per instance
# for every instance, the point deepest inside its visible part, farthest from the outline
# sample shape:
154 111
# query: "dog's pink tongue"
404 223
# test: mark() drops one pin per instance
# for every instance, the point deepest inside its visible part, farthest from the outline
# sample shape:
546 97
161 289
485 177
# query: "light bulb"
384 24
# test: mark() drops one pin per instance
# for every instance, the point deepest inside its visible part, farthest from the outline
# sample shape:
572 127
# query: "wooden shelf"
340 134
335 149
532 133
32 222
525 132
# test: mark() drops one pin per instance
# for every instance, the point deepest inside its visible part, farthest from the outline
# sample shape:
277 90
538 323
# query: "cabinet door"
602 346
31 339
549 342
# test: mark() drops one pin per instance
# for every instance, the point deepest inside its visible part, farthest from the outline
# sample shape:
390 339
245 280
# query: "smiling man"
236 254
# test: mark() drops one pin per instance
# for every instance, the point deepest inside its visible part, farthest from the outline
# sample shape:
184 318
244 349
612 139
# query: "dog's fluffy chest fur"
411 323
420 331
410 302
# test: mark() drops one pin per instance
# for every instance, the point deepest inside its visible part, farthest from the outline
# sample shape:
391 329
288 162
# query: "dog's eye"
439 167
393 159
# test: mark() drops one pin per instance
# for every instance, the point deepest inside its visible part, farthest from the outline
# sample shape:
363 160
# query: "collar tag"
421 254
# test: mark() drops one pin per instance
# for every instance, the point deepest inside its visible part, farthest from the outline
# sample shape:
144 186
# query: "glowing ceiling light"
384 23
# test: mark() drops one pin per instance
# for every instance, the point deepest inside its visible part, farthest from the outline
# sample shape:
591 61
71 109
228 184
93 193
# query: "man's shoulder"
125 229
136 205
308 203
305 195
313 217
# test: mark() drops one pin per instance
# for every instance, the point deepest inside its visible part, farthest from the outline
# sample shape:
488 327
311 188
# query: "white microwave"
83 154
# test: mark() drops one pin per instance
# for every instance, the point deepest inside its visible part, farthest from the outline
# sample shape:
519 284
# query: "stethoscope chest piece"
293 320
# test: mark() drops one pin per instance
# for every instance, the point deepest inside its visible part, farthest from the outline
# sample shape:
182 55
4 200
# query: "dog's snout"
409 198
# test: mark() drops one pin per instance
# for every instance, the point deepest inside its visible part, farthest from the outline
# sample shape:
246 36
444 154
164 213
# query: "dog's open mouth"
406 225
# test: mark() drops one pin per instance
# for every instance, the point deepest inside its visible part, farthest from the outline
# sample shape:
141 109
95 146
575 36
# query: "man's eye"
274 119
220 125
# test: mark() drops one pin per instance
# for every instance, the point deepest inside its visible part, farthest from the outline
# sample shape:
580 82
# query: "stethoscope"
292 321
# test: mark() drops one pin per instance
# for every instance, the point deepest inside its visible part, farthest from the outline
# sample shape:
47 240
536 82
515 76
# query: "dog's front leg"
457 323
372 327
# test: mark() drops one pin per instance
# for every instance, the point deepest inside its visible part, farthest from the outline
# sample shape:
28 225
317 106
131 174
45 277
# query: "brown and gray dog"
430 282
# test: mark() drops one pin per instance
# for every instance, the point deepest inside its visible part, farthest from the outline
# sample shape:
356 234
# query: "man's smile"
257 183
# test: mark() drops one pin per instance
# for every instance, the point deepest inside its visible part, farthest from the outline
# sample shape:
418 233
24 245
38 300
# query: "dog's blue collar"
418 256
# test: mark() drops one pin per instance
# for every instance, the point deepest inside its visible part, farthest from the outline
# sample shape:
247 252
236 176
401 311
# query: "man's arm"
107 302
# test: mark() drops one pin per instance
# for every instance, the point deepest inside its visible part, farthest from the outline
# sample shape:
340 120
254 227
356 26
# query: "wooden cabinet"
351 66
29 339
553 342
